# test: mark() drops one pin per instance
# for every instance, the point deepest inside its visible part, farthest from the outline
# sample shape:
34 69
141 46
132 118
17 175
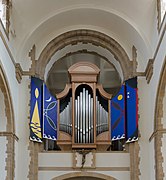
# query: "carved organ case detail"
84 110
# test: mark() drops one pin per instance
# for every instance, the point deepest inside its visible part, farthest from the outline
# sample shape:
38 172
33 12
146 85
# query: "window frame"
7 5
160 21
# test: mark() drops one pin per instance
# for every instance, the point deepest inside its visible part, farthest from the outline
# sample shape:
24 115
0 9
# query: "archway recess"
82 174
85 36
9 131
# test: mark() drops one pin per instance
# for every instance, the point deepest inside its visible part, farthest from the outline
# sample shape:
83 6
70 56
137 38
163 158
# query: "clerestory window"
4 14
161 7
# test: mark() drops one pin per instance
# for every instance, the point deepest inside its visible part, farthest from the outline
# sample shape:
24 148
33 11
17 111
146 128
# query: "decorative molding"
91 169
33 166
7 48
149 70
158 126
85 36
19 72
134 150
160 21
83 174
159 42
134 60
32 55
10 160
32 72
9 134
80 158
155 133
7 4
4 29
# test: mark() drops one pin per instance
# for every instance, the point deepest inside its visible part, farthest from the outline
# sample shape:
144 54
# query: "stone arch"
85 36
84 174
158 125
10 128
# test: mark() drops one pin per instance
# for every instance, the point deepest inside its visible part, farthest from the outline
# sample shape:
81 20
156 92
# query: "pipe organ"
84 110
84 115
65 124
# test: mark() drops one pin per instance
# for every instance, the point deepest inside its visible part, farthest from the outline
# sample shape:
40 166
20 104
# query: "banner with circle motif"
118 115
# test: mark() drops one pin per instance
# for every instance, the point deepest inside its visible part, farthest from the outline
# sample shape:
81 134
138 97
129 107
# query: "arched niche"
9 133
84 175
85 36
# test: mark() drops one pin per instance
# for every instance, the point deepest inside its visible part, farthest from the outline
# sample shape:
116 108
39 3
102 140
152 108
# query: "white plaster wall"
3 156
152 160
147 99
65 160
3 119
62 159
22 156
145 121
9 69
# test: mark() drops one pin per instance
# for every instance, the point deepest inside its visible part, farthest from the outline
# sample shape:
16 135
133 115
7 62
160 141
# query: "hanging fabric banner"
49 115
36 110
118 115
131 110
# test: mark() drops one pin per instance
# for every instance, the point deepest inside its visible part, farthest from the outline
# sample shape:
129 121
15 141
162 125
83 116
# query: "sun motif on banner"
120 97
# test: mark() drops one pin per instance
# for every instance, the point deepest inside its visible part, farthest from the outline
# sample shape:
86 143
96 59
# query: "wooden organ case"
84 111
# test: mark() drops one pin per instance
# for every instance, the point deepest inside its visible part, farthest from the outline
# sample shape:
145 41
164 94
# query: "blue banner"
36 110
131 110
118 115
49 115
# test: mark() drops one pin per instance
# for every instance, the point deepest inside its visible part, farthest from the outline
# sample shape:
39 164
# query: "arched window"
161 7
4 14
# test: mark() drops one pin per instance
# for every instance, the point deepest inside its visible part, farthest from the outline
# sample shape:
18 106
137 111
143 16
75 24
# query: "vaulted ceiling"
129 22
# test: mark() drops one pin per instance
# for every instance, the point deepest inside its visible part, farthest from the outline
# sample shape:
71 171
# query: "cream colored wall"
147 96
20 99
3 157
22 156
145 127
3 119
113 164
9 70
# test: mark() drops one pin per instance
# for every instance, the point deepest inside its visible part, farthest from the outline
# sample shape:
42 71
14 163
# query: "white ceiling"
38 21
129 22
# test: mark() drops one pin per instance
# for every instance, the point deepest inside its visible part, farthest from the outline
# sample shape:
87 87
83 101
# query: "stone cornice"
155 133
9 134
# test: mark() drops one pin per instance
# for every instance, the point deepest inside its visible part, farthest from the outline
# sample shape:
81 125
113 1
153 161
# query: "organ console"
84 110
